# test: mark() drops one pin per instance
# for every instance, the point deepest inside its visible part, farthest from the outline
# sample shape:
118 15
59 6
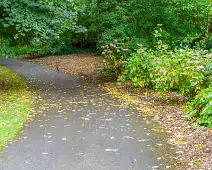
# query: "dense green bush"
185 71
54 47
21 50
114 56
5 49
41 50
59 48
200 108
63 45
180 70
38 50
63 48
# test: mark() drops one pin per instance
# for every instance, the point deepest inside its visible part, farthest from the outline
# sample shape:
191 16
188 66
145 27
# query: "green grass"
15 103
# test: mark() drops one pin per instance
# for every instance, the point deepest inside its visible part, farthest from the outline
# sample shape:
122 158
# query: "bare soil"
193 144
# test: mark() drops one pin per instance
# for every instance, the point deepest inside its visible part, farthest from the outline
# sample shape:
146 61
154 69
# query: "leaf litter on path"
189 142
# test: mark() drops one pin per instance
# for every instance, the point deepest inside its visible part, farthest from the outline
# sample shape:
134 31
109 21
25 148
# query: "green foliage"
42 23
41 50
37 25
62 48
137 68
200 108
181 70
31 50
5 48
114 56
108 19
208 70
38 21
55 48
21 50
63 45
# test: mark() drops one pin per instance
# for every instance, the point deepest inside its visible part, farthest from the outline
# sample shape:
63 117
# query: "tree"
37 20
117 19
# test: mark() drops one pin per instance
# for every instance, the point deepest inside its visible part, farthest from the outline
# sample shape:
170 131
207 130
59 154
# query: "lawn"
15 103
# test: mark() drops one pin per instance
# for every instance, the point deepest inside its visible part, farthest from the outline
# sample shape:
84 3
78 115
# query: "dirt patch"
193 144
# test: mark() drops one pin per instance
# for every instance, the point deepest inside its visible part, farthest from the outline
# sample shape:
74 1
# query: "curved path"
80 127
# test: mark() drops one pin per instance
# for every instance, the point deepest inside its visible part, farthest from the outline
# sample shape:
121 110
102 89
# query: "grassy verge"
15 103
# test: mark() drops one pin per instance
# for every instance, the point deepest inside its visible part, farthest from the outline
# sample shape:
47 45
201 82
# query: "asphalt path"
78 126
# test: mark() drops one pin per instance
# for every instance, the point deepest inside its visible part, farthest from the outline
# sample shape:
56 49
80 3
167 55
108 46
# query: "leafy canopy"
38 20
118 19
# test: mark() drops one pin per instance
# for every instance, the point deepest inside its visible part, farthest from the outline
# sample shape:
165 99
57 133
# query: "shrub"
41 50
21 50
37 50
114 57
181 70
137 68
200 108
5 49
63 48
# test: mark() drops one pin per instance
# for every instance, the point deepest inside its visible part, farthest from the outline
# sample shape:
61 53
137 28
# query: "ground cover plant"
15 104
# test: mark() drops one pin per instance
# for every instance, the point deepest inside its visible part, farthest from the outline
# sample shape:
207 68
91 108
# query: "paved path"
80 127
